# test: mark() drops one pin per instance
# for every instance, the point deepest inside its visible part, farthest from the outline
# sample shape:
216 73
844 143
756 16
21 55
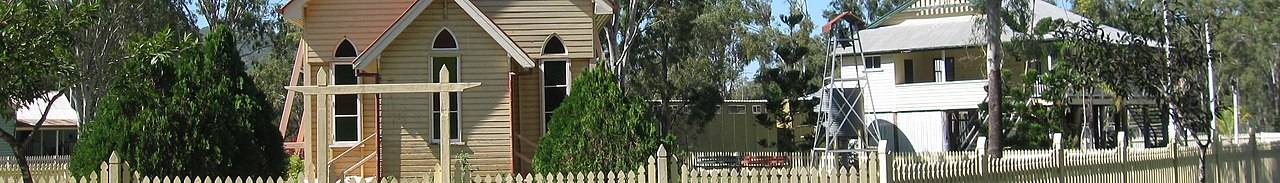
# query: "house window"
908 71
438 63
555 87
345 50
553 46
944 69
757 109
872 62
346 107
737 109
444 40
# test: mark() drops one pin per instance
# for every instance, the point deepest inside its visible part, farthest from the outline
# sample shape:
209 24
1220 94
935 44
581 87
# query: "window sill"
343 144
870 70
454 142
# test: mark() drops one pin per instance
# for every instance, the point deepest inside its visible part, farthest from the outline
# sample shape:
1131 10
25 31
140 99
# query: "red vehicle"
764 161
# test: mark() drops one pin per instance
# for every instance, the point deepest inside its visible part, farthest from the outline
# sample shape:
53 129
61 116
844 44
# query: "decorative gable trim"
375 49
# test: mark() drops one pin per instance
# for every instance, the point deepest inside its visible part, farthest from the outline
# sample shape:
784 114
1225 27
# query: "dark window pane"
554 95
909 71
49 142
438 63
345 104
445 40
344 75
554 46
344 129
345 50
553 73
453 102
435 125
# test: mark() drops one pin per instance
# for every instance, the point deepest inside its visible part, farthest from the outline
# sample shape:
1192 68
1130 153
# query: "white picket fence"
58 159
1253 161
1249 161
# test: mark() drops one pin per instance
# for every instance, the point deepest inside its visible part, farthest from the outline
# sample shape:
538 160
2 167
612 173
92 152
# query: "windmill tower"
842 125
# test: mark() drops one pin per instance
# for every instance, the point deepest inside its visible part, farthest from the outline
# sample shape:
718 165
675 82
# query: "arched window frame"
346 41
435 55
452 36
547 42
563 68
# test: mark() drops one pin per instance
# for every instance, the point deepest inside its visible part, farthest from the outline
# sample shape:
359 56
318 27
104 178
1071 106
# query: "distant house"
57 135
523 53
924 73
735 128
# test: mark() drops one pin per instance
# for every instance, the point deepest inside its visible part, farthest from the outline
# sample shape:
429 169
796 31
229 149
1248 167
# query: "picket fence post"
1253 155
1123 149
883 151
662 164
1173 149
984 163
1059 158
117 171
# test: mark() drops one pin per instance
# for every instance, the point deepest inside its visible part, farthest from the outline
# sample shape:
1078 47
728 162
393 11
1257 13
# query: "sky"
813 7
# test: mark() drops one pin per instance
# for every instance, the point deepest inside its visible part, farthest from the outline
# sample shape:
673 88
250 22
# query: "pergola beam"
382 88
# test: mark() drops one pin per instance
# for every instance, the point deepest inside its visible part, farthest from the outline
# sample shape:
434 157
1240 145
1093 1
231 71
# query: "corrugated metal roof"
49 122
950 32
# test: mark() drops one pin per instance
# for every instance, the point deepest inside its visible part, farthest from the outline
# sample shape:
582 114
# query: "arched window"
345 50
553 46
444 40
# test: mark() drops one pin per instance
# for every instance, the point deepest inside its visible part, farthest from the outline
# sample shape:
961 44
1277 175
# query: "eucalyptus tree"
690 51
98 47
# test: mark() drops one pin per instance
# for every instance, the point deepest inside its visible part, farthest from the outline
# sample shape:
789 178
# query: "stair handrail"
358 144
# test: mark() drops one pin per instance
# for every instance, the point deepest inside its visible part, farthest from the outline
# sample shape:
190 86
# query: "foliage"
296 165
271 74
692 50
790 71
36 59
183 107
598 128
98 47
37 51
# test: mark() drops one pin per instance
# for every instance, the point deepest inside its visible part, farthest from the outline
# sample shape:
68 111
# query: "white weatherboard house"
925 72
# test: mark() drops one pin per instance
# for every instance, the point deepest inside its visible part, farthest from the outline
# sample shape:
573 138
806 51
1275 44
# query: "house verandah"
925 77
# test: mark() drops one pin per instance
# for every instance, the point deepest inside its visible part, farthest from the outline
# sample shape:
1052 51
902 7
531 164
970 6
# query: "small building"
736 127
57 135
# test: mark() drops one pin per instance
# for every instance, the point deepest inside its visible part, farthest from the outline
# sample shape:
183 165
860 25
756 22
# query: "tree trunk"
1204 149
22 163
18 147
993 28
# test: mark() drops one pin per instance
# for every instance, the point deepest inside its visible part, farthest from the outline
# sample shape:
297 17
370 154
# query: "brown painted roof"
49 122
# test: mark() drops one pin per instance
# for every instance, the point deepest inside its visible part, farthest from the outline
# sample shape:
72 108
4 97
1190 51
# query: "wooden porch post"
322 139
308 116
446 139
